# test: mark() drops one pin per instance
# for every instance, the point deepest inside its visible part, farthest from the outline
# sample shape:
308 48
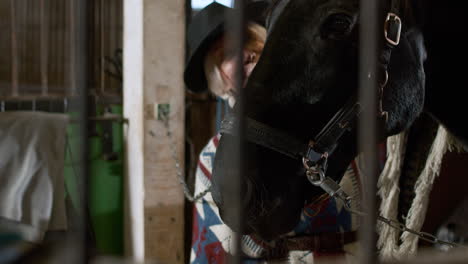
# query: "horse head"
307 72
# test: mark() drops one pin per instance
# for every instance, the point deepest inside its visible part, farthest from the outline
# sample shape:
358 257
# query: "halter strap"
323 144
392 34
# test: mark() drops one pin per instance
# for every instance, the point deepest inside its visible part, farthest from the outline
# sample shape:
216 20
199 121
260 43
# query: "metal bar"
102 74
14 51
73 47
54 64
109 29
188 18
369 23
188 230
23 49
114 42
59 69
26 60
62 44
44 49
235 39
80 64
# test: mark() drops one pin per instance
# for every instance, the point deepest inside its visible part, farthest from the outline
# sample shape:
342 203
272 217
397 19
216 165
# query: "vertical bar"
23 48
235 39
52 44
188 18
62 7
14 51
92 39
102 75
116 41
52 47
80 75
26 61
62 46
72 42
43 49
369 25
112 44
111 22
188 230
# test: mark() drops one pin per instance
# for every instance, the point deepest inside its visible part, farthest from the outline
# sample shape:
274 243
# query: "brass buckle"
392 20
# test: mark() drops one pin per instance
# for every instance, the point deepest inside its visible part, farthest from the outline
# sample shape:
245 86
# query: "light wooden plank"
163 70
133 110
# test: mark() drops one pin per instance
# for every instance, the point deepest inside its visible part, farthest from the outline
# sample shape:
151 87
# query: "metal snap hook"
316 178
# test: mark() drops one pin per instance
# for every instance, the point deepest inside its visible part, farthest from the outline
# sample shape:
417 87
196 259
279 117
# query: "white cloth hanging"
32 187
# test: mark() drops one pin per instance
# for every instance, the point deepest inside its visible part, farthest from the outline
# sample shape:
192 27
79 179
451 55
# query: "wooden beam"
164 53
134 137
153 69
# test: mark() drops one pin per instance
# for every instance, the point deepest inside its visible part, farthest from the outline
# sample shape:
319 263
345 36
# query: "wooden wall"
39 52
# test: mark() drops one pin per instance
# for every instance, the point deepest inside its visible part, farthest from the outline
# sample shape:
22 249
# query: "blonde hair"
256 37
255 40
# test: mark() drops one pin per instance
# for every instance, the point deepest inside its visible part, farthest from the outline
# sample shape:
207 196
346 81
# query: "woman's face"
228 66
222 66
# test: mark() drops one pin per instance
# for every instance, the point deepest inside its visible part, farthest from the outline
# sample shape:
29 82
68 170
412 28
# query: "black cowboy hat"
205 27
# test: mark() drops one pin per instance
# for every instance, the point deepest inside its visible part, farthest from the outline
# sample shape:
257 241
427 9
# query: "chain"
316 175
399 226
179 170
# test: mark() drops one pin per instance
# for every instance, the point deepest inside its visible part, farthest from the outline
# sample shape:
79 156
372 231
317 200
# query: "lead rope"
180 174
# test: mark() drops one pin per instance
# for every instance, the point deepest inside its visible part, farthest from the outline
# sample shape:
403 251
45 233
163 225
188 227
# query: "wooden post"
133 110
164 53
153 75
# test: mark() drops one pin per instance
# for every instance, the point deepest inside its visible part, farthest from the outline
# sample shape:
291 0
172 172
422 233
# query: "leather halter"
317 151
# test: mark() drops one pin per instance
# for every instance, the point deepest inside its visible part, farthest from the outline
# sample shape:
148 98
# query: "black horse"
309 70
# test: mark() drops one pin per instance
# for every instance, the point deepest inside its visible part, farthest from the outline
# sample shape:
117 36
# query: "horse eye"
336 26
